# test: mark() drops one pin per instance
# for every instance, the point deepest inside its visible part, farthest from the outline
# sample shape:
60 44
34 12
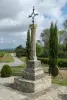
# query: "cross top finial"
33 15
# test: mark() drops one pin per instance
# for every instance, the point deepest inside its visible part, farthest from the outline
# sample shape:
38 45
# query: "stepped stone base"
32 86
34 79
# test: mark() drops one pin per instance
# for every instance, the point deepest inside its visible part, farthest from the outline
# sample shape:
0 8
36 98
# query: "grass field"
61 79
7 58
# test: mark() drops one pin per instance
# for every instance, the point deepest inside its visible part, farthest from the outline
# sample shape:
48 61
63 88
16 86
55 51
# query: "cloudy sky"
14 19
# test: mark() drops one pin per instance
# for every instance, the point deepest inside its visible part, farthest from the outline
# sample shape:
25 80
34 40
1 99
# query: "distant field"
7 58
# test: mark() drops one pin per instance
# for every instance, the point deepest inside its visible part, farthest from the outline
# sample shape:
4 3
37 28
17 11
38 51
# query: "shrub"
61 54
2 54
44 60
39 50
61 62
20 51
45 53
6 71
54 71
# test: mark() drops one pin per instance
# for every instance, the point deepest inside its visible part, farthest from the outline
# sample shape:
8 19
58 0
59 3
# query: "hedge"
61 62
44 60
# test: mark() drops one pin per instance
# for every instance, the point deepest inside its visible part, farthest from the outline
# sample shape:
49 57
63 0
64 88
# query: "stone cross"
33 15
33 37
33 80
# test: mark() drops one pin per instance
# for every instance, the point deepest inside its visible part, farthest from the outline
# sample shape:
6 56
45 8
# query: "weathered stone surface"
30 76
32 86
33 42
34 70
34 64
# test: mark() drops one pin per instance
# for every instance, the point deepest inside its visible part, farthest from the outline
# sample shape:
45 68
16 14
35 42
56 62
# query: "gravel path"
7 93
15 63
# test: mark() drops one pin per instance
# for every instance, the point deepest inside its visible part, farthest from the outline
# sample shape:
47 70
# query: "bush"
61 54
54 71
61 62
45 53
6 71
44 60
20 51
39 50
2 54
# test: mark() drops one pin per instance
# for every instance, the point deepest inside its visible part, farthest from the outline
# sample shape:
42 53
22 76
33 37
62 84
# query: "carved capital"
31 26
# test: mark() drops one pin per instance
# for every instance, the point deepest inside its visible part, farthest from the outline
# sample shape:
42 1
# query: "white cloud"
14 19
1 39
14 41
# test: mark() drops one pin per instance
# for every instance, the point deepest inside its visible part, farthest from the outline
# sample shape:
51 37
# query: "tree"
53 51
65 31
40 42
65 24
60 36
61 51
65 49
45 36
20 51
65 36
28 45
39 49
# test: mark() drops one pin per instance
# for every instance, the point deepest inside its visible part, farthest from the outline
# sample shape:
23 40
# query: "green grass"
18 71
7 58
58 80
23 59
62 82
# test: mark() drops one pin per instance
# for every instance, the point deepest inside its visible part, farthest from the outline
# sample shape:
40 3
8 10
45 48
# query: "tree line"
62 41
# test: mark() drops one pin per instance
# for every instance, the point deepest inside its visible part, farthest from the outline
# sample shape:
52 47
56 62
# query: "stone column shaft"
33 43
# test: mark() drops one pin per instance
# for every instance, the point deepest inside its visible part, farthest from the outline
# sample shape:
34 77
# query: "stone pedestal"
34 79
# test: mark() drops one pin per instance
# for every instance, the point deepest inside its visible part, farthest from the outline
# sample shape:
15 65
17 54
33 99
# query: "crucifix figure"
33 15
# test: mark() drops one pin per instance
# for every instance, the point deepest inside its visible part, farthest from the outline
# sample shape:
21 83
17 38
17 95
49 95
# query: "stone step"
46 77
25 85
35 73
35 76
34 70
34 64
